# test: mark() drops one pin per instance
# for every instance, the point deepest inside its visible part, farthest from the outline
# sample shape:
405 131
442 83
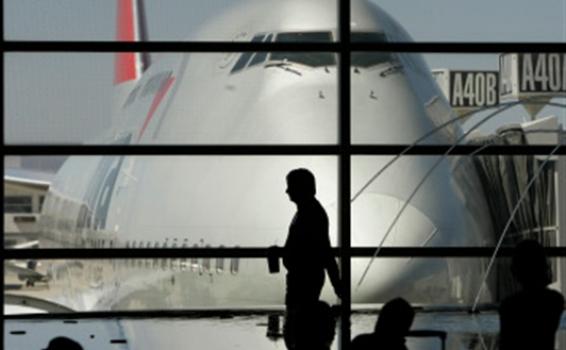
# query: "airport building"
24 194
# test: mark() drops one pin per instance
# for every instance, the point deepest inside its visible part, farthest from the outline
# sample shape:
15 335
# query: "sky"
63 97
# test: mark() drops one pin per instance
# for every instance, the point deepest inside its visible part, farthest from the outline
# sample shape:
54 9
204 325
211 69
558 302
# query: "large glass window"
386 195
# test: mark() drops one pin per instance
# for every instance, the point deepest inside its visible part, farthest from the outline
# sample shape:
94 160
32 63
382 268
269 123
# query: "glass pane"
36 86
429 282
218 200
224 20
441 292
464 331
210 283
56 98
455 201
148 284
444 20
439 284
406 98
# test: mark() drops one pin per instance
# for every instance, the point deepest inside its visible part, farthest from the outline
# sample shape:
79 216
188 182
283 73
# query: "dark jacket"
529 319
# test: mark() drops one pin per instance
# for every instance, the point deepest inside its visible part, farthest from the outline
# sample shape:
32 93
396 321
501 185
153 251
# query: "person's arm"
330 263
334 275
558 308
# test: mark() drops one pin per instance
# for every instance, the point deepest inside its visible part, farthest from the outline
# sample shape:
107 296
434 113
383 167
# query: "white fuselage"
229 201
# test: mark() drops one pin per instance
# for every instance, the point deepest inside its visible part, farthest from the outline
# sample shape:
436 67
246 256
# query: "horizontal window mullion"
459 47
226 46
164 150
354 252
456 150
167 46
228 312
197 313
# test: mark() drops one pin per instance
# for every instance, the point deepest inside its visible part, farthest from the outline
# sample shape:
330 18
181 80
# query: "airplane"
239 201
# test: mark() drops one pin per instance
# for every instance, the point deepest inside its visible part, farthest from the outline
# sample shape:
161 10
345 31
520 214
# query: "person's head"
395 318
63 343
300 185
530 266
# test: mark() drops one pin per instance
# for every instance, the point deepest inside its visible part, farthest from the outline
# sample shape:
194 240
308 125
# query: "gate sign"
542 72
474 88
526 75
468 90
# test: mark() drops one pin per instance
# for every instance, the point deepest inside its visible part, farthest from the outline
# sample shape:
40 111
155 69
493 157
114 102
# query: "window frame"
344 149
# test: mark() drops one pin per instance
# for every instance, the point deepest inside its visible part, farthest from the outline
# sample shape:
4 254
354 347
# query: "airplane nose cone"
372 214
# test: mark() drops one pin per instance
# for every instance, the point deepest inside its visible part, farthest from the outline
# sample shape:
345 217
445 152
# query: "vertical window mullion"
344 168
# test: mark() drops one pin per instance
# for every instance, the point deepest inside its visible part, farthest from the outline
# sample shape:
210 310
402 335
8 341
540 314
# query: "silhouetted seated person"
529 319
312 327
393 324
63 343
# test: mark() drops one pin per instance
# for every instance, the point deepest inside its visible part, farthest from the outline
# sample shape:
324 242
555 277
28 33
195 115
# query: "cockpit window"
261 56
304 37
246 56
369 59
313 59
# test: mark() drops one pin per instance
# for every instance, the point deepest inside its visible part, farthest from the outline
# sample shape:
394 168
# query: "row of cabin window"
194 262
186 263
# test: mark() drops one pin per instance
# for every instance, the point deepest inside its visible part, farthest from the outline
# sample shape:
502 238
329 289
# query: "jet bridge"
533 80
506 178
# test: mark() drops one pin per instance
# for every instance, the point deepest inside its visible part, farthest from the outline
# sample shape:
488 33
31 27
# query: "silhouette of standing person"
307 253
395 320
529 318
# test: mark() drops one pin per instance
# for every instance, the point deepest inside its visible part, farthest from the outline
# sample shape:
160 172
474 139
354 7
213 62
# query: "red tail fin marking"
125 64
155 103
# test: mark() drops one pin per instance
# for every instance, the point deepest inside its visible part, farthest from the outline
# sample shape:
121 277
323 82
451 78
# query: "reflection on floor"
464 332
